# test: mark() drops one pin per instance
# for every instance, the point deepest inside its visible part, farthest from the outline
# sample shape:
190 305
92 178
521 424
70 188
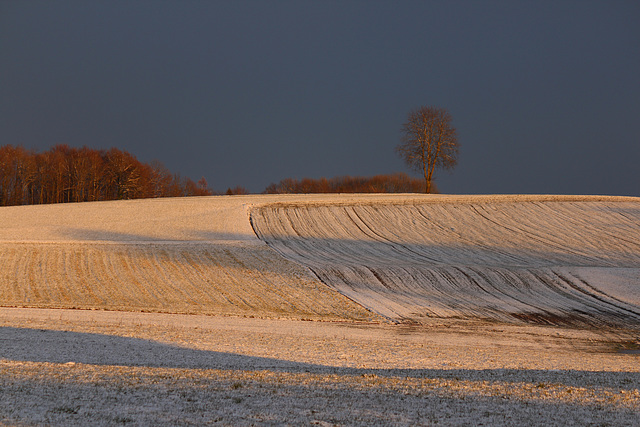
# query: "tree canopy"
429 141
65 174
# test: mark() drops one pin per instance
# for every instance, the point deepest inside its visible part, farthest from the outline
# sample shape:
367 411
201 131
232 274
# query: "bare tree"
65 174
429 141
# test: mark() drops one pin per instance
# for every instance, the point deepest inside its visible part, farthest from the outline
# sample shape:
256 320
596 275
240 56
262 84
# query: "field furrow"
185 278
572 262
541 259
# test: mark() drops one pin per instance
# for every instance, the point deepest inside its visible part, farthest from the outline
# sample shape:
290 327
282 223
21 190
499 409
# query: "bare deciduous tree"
65 174
429 141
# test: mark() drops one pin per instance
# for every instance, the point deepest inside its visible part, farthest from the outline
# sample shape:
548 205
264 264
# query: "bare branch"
429 141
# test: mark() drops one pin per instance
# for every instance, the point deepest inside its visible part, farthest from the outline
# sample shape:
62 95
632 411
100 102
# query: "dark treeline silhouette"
239 190
395 183
65 174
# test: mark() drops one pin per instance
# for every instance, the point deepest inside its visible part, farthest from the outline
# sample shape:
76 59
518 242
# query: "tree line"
64 174
394 183
429 142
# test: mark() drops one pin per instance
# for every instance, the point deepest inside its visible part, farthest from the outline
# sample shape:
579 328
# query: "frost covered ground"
546 260
66 367
190 255
527 313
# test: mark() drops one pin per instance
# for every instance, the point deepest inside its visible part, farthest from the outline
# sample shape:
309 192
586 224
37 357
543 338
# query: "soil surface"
322 310
79 367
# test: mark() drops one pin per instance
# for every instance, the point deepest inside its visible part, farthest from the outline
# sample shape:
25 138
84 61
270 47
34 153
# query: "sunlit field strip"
246 280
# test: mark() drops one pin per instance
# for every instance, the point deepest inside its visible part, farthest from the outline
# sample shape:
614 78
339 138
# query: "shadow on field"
64 347
50 346
186 236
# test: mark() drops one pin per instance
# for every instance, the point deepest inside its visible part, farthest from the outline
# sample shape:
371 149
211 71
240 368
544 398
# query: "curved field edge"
553 260
196 255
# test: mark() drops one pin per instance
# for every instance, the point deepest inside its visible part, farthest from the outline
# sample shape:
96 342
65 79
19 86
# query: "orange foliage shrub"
395 183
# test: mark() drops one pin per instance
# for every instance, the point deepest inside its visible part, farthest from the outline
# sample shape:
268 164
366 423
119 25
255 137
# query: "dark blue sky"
545 94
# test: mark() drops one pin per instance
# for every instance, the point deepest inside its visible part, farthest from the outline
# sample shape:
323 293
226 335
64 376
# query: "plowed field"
246 280
197 256
556 261
550 260
518 310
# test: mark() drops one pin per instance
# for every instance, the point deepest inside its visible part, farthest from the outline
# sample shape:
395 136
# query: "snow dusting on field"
189 255
426 309
545 260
